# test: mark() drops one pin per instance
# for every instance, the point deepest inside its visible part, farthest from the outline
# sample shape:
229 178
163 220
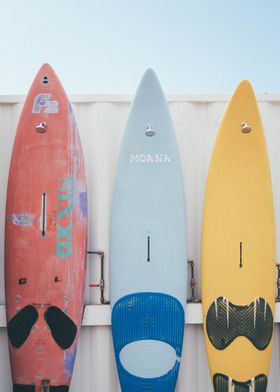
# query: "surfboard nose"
45 74
149 114
46 67
244 92
242 117
245 85
149 74
149 81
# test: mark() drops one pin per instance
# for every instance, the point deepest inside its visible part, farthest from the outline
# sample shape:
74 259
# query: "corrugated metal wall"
101 121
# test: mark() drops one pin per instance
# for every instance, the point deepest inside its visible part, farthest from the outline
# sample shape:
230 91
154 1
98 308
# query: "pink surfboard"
45 240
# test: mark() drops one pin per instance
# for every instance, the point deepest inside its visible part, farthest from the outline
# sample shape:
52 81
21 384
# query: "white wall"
101 121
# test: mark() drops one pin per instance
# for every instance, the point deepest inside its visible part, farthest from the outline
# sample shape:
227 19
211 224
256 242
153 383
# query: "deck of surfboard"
45 239
147 247
238 250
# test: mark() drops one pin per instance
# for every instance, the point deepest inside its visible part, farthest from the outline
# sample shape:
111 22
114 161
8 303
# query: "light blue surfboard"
147 247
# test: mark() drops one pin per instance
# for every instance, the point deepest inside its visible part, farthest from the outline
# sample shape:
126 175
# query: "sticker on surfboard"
43 101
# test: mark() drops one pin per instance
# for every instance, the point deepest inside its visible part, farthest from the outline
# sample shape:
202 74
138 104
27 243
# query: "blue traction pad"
148 316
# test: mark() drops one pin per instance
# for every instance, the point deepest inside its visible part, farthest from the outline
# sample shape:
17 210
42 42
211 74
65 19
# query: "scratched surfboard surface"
238 251
147 247
45 240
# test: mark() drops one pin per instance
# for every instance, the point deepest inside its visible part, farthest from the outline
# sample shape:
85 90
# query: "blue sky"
104 46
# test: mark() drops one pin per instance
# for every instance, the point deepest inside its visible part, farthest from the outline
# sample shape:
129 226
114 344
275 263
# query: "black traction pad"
31 388
63 329
226 321
221 384
20 325
23 388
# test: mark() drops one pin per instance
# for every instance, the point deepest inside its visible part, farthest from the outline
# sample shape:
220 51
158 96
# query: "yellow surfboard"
238 251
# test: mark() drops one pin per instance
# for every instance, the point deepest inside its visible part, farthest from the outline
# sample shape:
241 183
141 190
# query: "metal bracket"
193 283
278 283
101 283
45 386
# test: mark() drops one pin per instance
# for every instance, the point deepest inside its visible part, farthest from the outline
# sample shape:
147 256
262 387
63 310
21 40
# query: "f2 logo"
43 101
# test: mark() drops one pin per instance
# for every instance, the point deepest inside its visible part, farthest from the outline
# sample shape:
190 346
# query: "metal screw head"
41 127
149 131
245 128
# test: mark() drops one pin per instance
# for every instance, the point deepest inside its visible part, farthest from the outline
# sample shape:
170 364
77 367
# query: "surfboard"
147 247
238 251
45 240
